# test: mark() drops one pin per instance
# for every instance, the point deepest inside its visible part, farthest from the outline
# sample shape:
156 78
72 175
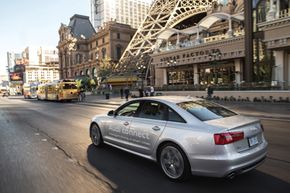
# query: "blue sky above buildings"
34 23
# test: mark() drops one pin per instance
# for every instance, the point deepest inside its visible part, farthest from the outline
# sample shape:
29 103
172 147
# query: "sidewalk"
256 109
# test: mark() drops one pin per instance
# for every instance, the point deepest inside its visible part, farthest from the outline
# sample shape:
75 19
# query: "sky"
26 23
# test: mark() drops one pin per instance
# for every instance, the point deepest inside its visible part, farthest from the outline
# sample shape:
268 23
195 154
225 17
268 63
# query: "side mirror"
111 113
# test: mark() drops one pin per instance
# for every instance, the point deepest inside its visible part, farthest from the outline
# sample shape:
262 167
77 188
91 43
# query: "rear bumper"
223 166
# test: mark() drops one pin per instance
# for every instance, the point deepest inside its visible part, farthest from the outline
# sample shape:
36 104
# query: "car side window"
174 116
128 110
153 110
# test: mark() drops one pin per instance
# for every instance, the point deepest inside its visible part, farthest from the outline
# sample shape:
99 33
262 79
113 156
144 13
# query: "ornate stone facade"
276 28
81 49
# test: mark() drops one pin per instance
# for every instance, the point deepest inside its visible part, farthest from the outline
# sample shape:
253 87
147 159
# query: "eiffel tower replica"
162 15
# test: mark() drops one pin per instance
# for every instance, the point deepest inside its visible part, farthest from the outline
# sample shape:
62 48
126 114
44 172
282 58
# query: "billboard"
16 76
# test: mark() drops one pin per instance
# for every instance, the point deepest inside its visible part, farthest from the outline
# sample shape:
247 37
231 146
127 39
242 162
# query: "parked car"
185 135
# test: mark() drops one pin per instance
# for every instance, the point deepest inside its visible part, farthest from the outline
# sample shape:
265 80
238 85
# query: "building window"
118 51
81 73
94 72
118 36
103 40
104 53
88 72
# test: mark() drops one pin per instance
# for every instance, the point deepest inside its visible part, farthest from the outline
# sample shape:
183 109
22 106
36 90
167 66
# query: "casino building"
231 43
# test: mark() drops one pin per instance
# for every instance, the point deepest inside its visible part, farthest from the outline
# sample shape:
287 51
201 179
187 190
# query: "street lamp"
214 56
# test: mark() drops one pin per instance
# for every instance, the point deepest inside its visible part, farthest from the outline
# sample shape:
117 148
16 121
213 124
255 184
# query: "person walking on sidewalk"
82 95
209 91
127 92
122 92
152 91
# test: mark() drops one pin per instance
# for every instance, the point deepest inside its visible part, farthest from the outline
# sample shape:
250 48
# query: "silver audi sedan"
185 135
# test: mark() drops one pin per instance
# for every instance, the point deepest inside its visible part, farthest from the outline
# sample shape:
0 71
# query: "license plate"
253 141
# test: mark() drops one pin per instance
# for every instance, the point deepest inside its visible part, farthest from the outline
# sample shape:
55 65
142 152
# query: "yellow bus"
29 91
62 90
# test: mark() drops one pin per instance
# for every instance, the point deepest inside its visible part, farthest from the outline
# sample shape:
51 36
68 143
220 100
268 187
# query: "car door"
117 131
147 126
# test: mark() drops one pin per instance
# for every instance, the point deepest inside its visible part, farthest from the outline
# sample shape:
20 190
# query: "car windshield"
205 110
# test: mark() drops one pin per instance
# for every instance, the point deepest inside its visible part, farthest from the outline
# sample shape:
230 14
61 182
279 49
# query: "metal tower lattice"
163 14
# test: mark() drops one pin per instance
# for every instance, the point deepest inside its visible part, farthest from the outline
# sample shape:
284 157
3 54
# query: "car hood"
233 122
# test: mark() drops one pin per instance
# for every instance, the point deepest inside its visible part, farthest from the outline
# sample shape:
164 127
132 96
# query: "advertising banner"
16 76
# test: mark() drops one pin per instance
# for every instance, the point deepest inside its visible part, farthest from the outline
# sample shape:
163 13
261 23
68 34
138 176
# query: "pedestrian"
127 92
140 92
122 92
209 91
147 91
152 91
82 95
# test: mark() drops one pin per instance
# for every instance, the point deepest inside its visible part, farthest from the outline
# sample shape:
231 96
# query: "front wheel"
174 163
96 135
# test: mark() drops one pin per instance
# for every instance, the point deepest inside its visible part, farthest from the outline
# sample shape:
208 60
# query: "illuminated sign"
16 76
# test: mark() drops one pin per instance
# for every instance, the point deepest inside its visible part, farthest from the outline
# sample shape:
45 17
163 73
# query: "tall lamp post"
141 70
214 56
172 65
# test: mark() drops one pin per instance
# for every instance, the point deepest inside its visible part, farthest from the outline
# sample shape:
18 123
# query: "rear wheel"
96 135
174 163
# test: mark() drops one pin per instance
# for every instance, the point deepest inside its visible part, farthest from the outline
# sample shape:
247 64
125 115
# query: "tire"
96 136
174 162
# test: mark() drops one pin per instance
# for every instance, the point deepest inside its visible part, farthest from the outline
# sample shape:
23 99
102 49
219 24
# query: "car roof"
172 99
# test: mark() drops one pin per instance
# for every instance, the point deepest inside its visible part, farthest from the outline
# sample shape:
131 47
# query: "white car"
184 135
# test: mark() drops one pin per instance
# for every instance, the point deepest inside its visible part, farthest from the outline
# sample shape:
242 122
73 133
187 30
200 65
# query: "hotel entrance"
180 75
216 74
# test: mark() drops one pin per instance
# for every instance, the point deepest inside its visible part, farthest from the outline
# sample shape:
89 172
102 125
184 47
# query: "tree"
107 68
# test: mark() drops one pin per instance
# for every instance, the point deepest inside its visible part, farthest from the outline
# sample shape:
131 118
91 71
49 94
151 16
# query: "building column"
160 77
271 13
195 74
178 41
238 71
230 31
287 75
279 68
197 40
277 9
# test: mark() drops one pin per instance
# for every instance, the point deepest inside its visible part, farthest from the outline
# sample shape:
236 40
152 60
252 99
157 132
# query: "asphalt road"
44 147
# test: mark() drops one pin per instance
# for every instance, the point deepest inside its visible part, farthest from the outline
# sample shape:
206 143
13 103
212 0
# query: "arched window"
81 73
76 73
94 72
118 52
104 53
87 72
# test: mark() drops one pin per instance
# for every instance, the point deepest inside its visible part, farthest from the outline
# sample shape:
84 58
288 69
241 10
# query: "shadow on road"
133 174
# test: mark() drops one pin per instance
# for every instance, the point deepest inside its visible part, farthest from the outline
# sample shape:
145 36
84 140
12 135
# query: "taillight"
226 138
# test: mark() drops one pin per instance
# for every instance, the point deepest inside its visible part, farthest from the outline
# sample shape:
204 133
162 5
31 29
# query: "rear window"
205 110
69 86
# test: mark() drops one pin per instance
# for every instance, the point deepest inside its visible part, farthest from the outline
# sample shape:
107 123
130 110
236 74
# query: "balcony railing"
284 13
193 43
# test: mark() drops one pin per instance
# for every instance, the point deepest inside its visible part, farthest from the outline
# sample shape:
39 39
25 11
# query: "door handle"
156 128
126 123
